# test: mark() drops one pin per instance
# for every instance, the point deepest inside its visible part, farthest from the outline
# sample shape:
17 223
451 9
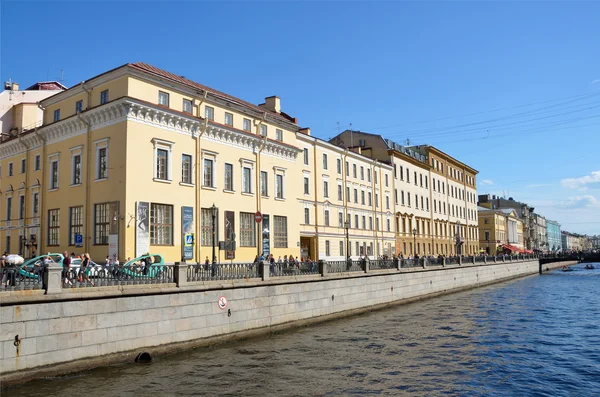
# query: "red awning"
512 248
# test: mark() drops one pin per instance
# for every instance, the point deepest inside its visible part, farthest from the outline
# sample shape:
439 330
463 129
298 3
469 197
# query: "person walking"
86 268
66 268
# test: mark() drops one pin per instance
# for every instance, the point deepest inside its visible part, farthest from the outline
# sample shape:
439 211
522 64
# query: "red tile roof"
182 80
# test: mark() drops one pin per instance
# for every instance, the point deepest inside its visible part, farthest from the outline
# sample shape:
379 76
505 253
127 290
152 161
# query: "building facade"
500 230
554 235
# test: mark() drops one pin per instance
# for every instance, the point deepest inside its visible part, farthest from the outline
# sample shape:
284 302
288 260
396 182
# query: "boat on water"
589 267
566 269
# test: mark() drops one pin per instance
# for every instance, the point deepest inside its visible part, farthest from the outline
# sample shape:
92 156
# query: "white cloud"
579 202
596 81
583 182
487 182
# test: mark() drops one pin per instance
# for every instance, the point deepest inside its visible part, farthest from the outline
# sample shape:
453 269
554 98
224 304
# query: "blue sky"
431 72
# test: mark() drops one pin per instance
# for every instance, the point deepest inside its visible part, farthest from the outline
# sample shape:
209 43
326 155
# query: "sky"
510 88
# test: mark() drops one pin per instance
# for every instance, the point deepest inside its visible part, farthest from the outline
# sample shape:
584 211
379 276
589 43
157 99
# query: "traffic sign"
189 239
258 217
222 303
79 240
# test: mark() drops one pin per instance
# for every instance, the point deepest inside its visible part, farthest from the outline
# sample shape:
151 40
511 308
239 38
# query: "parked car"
32 267
96 270
147 266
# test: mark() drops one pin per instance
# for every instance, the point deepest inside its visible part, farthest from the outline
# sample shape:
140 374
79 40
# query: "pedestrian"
66 268
86 266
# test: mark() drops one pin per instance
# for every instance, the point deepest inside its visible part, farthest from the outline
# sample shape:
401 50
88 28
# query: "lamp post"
214 212
347 226
415 241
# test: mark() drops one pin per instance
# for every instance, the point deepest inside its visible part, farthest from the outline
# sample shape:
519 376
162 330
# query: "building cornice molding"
17 146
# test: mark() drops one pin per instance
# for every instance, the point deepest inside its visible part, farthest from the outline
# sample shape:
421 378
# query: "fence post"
424 262
322 267
264 267
365 265
473 259
53 280
180 273
398 263
459 260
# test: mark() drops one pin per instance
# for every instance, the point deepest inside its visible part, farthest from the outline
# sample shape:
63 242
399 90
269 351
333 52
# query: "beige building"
433 195
500 230
20 165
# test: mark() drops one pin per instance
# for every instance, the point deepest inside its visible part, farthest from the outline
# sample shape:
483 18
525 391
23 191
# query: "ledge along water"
71 329
531 336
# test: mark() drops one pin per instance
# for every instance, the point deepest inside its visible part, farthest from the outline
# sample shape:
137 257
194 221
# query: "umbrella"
14 259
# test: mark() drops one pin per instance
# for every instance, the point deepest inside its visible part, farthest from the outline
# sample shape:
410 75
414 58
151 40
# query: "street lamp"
415 240
347 226
214 212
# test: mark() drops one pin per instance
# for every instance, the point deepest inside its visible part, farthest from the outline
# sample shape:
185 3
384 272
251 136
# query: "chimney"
273 104
305 131
15 87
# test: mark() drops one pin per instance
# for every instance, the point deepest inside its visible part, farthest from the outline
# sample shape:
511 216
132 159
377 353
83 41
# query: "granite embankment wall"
76 330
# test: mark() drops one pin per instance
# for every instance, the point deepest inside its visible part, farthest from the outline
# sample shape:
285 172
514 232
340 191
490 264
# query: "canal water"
536 336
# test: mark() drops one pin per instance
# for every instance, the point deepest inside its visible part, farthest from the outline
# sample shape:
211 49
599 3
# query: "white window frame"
281 172
76 151
266 181
248 123
33 193
162 95
191 170
230 123
164 145
225 187
103 144
264 130
209 113
279 135
212 156
103 97
245 163
54 158
190 102
37 162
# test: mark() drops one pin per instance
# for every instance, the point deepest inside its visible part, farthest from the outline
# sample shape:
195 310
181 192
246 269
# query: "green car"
31 268
146 266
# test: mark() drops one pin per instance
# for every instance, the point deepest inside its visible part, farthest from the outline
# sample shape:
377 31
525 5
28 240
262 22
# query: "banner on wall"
142 228
113 233
187 231
229 232
266 235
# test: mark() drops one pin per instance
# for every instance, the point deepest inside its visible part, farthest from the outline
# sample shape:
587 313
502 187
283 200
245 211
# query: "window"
426 185
206 227
23 165
228 176
340 198
306 216
407 175
37 162
387 202
54 174
362 173
208 173
101 223
356 224
370 223
162 170
306 185
370 197
376 200
427 203
8 208
356 196
421 179
103 97
339 166
347 169
326 218
422 206
229 119
187 106
348 193
305 156
386 180
247 125
415 178
57 115
408 198
279 135
264 183
53 227
416 201
369 175
375 174
10 169
389 226
279 186
433 184
246 180
396 196
354 170
377 223
325 189
209 113
163 98
263 130
21 207
76 171
186 168
280 232
36 202
78 106
362 197
324 161
102 163
161 224
327 250
341 248
340 219
402 197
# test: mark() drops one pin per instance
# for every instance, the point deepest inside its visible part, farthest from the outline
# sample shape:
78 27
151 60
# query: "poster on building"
266 235
229 232
113 232
187 231
142 228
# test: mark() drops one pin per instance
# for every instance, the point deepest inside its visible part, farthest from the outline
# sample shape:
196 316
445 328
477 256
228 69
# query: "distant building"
500 230
554 236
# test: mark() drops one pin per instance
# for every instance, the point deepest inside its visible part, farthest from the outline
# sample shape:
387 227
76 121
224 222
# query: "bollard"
365 265
180 275
53 280
424 264
322 267
460 261
264 267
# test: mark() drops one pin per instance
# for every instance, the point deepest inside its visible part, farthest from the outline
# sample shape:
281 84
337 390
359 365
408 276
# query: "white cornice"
16 147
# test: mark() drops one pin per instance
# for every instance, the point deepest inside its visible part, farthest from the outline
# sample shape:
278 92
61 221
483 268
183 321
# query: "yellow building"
501 230
135 157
